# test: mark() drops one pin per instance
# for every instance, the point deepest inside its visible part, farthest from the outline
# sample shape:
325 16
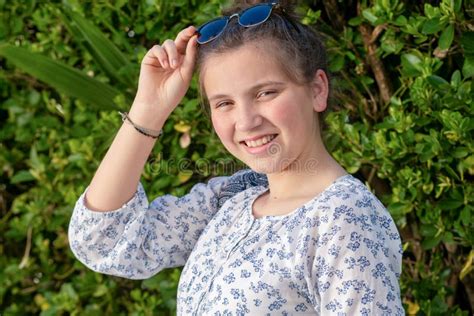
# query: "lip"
260 149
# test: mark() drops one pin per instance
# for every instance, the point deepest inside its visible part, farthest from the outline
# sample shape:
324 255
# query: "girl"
294 234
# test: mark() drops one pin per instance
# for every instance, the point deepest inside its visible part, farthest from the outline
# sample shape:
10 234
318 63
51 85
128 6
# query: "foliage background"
402 122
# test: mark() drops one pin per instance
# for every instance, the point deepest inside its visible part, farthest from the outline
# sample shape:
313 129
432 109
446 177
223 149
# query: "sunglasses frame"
272 6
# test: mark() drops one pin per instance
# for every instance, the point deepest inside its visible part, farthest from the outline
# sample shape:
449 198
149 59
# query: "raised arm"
165 76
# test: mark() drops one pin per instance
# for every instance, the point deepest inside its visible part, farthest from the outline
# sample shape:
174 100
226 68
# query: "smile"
260 141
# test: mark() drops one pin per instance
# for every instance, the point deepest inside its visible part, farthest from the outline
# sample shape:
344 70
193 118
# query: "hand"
166 73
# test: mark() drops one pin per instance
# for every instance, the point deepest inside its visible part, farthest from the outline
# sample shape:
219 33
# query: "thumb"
190 58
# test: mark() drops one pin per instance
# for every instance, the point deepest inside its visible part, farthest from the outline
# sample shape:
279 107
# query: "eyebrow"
255 87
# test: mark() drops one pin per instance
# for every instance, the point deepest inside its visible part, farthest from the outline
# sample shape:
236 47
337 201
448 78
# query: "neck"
305 178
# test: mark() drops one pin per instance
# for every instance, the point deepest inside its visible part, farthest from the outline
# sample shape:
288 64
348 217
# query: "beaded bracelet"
145 131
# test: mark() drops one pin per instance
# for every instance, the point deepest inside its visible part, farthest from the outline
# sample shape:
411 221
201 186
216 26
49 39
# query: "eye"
265 93
222 104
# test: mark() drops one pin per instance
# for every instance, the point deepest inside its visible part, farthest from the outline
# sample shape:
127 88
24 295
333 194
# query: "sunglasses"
249 17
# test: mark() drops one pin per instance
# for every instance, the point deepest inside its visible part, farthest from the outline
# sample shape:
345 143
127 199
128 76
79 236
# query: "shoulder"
348 191
349 206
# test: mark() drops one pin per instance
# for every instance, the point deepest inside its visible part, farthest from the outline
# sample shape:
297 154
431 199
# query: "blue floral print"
338 254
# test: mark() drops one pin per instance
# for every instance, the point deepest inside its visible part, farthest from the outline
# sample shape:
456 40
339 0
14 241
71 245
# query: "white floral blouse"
338 254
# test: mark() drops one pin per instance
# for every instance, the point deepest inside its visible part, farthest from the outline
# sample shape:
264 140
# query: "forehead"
241 68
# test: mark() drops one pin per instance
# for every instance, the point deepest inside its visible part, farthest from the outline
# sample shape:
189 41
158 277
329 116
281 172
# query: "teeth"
260 142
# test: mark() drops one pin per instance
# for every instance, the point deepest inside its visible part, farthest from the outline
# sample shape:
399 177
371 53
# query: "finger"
190 57
172 52
183 37
157 57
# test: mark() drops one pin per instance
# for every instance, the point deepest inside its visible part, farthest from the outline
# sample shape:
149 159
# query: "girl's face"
260 115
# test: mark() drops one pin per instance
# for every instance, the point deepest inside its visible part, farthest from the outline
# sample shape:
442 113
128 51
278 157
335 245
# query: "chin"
262 170
267 166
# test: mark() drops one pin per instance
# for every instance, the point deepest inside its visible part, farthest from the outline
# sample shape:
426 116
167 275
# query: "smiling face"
261 116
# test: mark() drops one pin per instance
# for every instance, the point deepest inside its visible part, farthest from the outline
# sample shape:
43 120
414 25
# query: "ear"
320 90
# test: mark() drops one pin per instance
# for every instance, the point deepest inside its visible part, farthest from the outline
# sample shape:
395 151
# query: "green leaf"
450 204
61 76
412 64
438 82
457 5
468 67
22 176
460 152
456 78
432 26
35 161
369 16
401 21
136 295
446 38
101 290
429 243
336 63
311 17
465 215
355 21
108 57
428 230
467 43
399 208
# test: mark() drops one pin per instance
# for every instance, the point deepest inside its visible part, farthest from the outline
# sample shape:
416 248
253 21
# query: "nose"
248 118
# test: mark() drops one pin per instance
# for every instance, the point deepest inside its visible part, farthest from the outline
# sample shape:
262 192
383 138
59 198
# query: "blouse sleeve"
140 239
358 259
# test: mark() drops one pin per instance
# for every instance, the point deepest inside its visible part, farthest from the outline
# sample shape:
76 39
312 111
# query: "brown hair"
300 51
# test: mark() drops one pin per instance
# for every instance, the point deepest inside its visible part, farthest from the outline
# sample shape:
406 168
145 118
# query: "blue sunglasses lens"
211 30
255 15
250 17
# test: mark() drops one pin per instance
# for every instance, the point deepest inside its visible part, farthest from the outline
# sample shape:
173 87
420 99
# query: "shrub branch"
369 36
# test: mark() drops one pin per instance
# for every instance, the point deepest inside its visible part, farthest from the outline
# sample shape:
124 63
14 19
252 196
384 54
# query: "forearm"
117 177
160 89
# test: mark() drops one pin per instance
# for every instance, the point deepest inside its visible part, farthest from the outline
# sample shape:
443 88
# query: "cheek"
221 127
287 114
294 115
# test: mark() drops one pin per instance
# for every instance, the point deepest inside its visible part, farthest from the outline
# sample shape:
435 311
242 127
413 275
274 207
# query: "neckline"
260 190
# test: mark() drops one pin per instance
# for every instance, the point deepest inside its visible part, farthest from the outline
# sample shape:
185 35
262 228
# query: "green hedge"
402 120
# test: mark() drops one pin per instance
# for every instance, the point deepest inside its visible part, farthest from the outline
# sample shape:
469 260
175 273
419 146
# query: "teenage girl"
294 233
